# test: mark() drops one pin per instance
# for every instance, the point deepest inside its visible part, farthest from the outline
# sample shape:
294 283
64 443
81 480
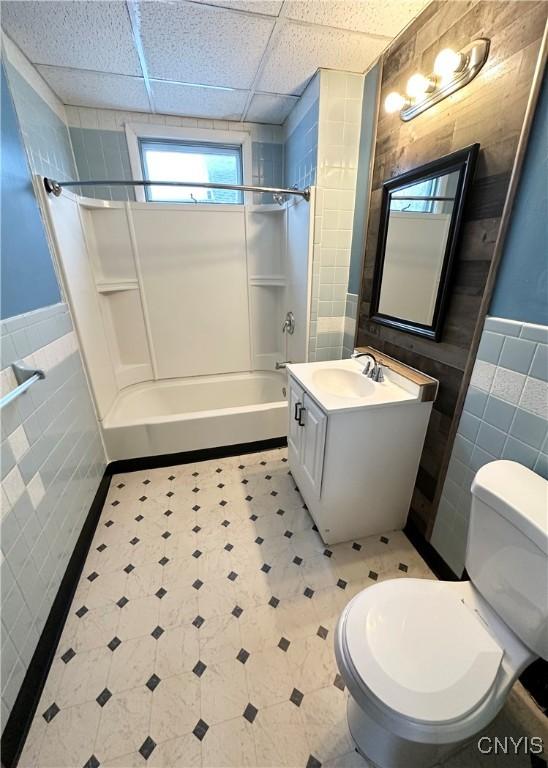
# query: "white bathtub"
175 415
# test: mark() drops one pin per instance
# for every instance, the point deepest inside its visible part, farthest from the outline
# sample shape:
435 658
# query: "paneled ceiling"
225 59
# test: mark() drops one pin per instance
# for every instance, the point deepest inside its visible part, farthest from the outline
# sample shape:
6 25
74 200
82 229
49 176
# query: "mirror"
421 214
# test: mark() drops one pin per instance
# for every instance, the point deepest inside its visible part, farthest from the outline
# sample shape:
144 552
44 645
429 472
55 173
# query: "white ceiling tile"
80 87
270 108
84 35
376 17
177 99
300 50
194 43
268 7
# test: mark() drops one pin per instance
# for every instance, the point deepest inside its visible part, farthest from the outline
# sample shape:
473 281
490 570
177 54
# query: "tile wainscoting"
52 463
505 416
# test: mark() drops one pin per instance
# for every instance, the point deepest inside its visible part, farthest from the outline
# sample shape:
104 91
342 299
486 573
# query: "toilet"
429 664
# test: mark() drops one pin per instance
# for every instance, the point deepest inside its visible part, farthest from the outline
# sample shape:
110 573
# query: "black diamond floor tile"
274 602
313 762
374 576
199 668
229 547
163 561
232 576
338 682
200 729
341 583
142 498
152 682
196 553
81 611
403 567
243 655
322 632
114 643
139 518
327 552
166 535
356 546
92 576
284 644
265 567
109 523
225 523
147 747
198 621
160 593
92 762
157 632
101 547
68 655
297 560
288 534
250 713
237 611
259 540
129 568
122 601
296 697
308 592
50 712
168 512
103 697
197 584
384 540
134 541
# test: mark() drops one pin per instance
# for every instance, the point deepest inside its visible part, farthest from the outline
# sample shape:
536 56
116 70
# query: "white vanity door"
313 443
294 432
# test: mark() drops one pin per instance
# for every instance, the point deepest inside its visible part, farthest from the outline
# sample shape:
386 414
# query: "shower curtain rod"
56 187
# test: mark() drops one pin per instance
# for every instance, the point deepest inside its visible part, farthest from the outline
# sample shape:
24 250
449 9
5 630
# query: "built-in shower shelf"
115 286
267 280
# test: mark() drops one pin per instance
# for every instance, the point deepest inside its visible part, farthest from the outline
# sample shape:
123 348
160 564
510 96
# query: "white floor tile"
201 632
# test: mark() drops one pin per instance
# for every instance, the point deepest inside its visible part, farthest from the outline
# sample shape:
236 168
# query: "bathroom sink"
339 385
342 382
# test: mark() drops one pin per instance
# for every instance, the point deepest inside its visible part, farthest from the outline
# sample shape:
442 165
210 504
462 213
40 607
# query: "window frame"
137 131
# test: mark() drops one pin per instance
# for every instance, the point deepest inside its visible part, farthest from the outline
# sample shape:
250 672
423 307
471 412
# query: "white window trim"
136 131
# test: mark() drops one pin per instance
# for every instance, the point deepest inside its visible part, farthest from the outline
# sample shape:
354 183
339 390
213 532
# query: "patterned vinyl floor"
201 632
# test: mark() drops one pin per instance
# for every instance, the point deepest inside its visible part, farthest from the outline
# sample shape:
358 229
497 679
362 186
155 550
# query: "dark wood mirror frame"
463 161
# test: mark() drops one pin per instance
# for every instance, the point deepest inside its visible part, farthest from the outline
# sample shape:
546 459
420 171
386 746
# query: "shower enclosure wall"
179 310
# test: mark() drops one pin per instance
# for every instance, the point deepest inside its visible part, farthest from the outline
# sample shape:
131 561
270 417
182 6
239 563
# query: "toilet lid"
420 649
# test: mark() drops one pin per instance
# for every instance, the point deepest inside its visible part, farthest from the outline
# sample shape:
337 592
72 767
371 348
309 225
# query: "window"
174 160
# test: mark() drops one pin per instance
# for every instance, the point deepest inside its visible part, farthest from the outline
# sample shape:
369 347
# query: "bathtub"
173 415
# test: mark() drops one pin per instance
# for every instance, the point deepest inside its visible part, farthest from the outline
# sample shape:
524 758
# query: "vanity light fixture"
452 71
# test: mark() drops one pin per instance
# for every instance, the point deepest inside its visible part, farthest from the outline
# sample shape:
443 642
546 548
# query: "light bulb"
417 86
394 102
448 62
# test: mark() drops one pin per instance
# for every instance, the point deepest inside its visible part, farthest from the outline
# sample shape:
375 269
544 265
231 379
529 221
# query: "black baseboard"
22 714
432 558
189 457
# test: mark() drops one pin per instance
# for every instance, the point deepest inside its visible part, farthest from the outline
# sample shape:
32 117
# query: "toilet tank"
507 549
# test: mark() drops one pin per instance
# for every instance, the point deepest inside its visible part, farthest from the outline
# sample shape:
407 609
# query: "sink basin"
343 383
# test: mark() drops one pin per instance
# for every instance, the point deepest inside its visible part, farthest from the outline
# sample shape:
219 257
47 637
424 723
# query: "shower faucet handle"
289 324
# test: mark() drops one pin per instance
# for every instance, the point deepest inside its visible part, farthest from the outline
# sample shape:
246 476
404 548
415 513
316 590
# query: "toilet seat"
420 650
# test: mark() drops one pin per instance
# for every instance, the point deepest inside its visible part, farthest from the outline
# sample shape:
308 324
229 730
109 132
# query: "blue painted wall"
521 291
367 137
27 274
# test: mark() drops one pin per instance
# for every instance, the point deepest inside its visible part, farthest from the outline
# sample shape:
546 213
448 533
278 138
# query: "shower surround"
172 303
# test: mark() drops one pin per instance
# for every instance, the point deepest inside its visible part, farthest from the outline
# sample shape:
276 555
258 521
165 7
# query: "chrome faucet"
372 371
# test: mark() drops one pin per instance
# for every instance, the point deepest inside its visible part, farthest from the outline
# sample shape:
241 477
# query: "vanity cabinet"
306 435
354 460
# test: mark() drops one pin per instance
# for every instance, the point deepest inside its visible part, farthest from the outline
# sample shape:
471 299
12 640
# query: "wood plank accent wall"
490 110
